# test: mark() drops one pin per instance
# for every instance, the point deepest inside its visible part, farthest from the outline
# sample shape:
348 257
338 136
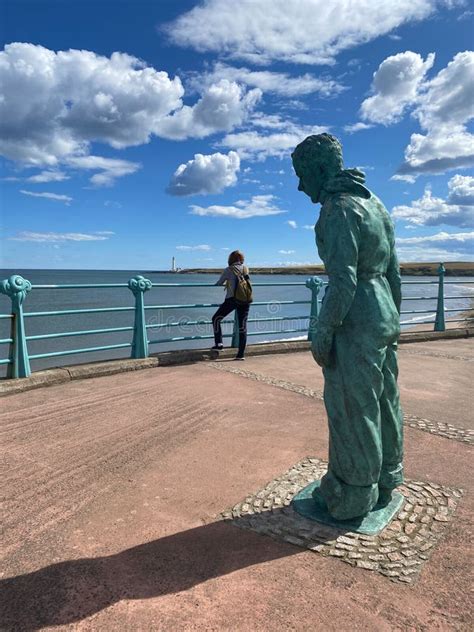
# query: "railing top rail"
77 286
254 283
84 286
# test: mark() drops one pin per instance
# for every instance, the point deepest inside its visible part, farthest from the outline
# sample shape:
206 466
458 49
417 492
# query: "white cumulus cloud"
395 86
56 104
221 107
444 107
297 31
456 210
292 223
461 190
205 174
257 206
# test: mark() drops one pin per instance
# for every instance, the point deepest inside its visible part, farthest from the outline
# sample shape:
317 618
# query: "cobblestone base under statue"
398 552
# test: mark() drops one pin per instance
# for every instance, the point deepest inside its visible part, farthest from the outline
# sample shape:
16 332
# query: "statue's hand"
321 346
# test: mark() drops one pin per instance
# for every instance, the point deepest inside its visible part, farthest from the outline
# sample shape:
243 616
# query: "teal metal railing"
17 288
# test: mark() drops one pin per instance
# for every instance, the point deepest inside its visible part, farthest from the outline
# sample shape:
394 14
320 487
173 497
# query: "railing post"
139 285
439 320
314 284
16 287
235 332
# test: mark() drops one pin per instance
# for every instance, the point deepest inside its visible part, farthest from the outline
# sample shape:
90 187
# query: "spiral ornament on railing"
16 287
139 284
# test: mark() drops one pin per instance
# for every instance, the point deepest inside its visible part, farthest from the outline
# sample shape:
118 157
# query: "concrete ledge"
426 336
96 369
50 377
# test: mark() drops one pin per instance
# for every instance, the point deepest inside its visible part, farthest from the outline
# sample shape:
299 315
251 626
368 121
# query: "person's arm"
223 278
341 243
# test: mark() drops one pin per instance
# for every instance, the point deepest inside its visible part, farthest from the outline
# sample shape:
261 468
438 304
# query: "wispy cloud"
48 176
258 206
456 210
112 204
288 31
279 83
50 196
204 247
441 246
109 169
356 127
292 223
27 235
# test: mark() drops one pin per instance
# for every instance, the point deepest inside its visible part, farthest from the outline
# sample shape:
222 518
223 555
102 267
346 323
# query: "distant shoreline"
456 268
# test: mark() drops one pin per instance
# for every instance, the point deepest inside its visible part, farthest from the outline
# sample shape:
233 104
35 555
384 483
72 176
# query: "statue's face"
310 182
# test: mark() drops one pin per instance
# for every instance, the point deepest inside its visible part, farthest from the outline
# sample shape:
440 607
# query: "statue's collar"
345 181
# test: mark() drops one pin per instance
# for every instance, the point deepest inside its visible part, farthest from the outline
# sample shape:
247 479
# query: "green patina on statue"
356 338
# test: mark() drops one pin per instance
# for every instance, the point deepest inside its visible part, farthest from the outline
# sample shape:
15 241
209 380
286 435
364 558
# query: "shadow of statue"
70 591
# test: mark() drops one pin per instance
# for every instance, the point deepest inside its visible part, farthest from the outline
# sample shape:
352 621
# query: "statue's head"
315 160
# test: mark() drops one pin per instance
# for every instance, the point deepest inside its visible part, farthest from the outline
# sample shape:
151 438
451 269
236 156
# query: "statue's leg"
391 426
352 391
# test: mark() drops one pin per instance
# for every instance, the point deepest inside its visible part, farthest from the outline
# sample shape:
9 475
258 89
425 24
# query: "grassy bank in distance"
455 268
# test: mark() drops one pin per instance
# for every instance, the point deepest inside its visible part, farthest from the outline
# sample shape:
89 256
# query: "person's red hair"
235 257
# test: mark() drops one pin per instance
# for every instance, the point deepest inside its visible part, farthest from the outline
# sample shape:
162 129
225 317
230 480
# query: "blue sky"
134 131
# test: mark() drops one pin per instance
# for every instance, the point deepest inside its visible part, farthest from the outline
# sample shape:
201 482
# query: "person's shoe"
218 347
239 358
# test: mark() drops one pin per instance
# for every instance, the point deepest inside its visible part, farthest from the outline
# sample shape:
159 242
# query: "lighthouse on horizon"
173 264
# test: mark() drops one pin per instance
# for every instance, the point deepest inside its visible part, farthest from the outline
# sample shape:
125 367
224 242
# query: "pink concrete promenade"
113 488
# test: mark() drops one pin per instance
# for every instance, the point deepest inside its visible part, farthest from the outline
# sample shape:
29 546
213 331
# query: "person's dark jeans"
226 308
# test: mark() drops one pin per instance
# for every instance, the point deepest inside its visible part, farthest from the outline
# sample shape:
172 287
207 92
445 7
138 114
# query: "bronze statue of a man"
357 331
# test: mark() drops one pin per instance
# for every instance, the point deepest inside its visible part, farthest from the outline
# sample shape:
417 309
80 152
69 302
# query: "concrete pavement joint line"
259 377
398 552
439 428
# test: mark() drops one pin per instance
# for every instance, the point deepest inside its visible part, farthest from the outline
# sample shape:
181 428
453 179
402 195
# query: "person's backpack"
243 288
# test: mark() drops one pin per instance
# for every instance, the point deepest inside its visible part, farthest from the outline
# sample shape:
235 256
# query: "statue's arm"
341 235
393 275
341 242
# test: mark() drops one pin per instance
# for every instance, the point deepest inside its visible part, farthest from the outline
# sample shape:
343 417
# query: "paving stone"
346 540
370 566
345 547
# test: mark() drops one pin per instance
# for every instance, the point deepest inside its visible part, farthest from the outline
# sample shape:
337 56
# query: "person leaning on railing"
235 271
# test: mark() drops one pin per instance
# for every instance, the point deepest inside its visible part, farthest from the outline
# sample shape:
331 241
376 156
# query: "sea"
291 320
